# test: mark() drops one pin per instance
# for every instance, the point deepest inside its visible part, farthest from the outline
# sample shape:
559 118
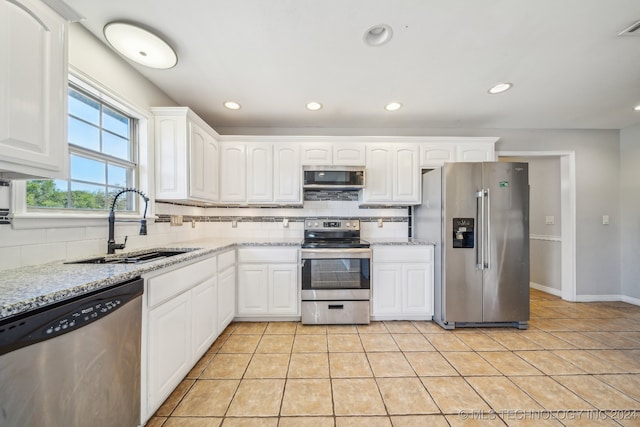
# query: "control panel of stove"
333 224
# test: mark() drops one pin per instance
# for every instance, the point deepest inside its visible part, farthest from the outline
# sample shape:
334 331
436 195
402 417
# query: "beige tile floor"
578 364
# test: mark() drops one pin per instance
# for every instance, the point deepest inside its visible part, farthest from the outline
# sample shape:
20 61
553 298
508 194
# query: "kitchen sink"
134 258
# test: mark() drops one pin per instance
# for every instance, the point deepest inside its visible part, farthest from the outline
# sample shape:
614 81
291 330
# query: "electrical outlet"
285 223
605 219
234 223
193 223
380 223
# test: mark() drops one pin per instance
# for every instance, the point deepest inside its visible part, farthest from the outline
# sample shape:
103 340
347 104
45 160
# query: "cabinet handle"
336 306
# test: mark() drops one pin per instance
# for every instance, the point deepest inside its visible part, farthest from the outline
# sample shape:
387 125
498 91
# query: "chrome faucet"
111 244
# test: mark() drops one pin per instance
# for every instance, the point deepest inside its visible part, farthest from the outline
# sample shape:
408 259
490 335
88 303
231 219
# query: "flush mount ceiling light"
314 106
500 87
393 106
231 105
378 35
140 45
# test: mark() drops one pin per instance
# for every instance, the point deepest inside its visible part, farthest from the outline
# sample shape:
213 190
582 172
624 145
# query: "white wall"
630 206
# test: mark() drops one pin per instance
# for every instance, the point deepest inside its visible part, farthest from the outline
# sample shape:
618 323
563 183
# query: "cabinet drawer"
403 254
226 260
164 286
268 255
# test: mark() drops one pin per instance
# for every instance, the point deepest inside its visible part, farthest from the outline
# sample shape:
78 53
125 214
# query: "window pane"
117 176
84 107
84 169
115 146
115 122
86 196
84 135
125 201
47 193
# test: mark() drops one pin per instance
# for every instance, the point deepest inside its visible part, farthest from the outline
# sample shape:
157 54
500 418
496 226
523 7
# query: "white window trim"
22 219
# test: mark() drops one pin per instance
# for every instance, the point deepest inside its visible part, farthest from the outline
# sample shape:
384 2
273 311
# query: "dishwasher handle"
66 316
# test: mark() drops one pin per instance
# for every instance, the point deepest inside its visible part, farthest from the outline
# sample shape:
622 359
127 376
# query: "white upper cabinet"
475 152
260 172
33 91
233 172
338 153
434 155
440 150
287 174
392 174
186 153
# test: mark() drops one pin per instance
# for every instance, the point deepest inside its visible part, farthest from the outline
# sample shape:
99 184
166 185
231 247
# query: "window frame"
35 218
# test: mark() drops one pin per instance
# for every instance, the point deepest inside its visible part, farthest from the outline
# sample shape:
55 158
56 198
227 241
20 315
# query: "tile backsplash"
19 248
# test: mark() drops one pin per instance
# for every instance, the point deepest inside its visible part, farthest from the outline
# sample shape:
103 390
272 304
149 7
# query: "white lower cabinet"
402 282
268 282
181 321
226 289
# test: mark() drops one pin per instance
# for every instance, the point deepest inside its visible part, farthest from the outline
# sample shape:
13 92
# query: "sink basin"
135 258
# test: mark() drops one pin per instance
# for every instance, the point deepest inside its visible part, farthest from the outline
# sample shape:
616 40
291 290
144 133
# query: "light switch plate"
549 220
605 219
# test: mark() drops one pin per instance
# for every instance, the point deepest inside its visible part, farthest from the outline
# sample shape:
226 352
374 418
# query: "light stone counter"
385 241
29 288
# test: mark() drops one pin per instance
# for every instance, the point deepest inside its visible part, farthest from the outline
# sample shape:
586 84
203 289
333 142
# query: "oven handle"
361 253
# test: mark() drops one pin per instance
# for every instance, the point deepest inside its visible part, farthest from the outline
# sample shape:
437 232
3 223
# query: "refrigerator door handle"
480 217
487 264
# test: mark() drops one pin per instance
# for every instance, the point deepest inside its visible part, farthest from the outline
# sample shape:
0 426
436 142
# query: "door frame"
567 215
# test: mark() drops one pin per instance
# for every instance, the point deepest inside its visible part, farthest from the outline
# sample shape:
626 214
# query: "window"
103 155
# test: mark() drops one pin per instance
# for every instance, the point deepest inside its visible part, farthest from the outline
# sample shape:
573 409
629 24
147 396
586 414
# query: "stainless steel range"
336 278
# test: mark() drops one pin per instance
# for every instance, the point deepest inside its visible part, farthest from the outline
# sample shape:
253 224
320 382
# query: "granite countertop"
399 242
29 288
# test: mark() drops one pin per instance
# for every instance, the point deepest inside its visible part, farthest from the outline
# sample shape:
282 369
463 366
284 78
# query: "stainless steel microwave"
333 177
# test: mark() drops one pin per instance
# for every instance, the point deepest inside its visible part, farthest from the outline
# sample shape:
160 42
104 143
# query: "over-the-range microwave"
333 177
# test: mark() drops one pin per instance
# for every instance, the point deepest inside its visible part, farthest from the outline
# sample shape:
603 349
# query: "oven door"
336 274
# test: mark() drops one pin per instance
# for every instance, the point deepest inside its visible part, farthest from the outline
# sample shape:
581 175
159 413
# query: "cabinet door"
379 174
203 160
434 155
283 289
317 154
169 355
253 289
417 289
260 172
171 157
406 179
475 152
233 173
205 316
226 298
287 174
33 91
348 154
387 289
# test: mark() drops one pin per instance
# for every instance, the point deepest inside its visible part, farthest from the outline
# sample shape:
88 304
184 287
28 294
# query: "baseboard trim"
631 300
547 289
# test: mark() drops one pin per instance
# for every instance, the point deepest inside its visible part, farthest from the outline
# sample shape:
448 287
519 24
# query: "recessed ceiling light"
500 87
636 108
140 45
393 106
231 105
378 35
314 106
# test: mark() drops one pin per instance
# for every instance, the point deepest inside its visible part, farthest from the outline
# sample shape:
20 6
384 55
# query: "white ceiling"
568 66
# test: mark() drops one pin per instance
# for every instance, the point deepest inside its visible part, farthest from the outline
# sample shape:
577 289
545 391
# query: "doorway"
567 213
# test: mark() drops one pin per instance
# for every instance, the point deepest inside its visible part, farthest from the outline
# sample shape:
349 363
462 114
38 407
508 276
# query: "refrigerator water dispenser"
463 232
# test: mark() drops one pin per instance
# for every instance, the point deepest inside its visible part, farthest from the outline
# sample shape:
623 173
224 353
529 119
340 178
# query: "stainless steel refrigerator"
478 216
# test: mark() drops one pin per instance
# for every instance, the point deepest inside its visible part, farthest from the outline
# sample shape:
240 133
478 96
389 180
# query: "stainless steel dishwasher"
75 363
